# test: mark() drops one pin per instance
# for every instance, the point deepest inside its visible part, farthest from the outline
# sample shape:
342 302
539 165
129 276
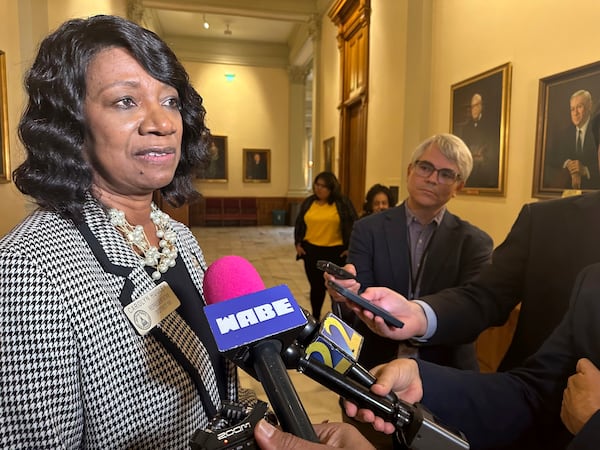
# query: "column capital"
314 28
297 74
135 11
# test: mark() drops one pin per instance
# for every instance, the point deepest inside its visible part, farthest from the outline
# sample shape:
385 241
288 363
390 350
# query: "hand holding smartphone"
335 270
365 304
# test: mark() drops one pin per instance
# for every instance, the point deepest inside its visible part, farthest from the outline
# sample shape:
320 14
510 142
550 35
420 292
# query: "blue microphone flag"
271 313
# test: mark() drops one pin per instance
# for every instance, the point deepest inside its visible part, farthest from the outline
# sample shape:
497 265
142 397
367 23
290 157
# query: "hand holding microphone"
255 330
400 376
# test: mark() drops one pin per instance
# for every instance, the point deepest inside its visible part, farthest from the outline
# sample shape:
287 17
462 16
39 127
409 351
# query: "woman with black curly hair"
378 198
104 340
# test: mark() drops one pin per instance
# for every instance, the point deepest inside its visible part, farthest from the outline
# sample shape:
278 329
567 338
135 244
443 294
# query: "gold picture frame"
257 165
329 154
4 142
479 114
216 171
556 138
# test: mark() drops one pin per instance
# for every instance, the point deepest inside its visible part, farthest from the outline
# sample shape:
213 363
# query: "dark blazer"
345 210
379 251
566 149
494 409
550 242
483 139
256 171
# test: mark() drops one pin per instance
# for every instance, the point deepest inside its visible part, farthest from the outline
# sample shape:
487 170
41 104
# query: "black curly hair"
371 193
52 128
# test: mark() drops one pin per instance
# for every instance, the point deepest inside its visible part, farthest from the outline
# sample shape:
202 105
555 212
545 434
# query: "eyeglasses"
321 185
444 176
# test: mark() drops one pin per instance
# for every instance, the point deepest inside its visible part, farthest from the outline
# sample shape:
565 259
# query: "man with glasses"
419 248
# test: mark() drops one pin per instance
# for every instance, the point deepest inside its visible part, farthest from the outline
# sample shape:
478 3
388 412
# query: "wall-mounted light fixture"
227 31
230 77
206 25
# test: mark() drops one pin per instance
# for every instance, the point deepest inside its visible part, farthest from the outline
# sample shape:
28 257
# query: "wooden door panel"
352 20
356 156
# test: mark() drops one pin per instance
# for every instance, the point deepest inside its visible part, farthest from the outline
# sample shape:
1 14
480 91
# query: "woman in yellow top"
322 231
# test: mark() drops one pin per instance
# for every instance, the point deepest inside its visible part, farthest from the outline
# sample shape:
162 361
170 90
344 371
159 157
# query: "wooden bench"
227 211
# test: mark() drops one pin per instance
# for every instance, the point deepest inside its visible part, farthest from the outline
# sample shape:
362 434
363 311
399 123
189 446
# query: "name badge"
147 311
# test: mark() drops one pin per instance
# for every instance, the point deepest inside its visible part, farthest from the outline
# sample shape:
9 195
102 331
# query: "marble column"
299 145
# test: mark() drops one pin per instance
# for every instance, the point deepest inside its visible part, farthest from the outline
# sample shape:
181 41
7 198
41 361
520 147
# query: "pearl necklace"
161 259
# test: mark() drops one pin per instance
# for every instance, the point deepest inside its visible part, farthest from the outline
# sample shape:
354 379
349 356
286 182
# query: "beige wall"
328 87
540 38
387 90
61 10
468 37
419 48
22 24
252 110
11 201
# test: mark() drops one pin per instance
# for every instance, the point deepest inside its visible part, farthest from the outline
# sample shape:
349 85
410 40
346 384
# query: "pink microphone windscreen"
230 277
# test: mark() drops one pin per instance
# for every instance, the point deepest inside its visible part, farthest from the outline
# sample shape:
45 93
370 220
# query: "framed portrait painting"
4 144
257 165
479 115
329 154
216 171
568 133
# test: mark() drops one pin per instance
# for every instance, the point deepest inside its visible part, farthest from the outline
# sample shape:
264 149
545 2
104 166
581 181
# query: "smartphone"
365 304
335 270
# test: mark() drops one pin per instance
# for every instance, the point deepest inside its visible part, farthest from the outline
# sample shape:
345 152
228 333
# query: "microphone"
325 352
328 354
252 329
415 426
333 342
230 277
337 345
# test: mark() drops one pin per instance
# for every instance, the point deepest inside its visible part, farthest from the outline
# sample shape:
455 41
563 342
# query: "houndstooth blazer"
73 371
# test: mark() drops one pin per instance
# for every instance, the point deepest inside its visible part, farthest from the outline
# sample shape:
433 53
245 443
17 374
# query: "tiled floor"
271 251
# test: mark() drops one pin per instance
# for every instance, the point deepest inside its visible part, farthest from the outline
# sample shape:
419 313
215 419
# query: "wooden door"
352 20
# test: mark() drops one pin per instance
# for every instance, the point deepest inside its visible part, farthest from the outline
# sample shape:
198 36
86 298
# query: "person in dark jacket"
378 198
550 402
536 266
104 342
419 248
